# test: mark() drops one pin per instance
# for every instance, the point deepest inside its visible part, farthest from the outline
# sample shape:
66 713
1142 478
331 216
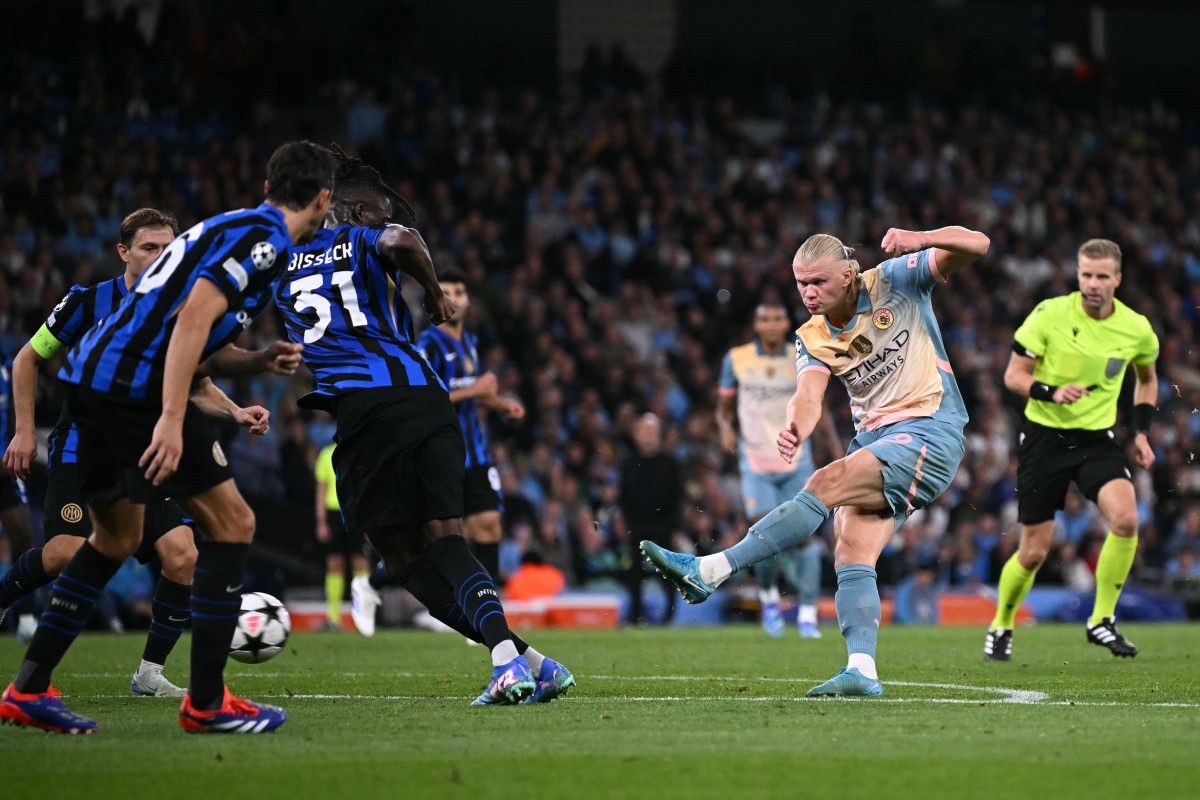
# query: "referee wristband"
1042 391
1142 413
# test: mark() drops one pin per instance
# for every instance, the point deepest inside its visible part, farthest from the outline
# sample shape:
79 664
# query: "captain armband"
1042 391
1142 415
45 344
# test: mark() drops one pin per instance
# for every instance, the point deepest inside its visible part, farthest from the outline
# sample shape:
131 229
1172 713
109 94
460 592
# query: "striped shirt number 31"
305 291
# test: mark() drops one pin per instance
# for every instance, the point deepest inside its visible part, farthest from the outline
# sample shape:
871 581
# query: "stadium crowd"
616 242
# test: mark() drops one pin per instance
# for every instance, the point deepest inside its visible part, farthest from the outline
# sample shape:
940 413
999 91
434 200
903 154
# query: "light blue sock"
764 573
786 526
808 575
858 608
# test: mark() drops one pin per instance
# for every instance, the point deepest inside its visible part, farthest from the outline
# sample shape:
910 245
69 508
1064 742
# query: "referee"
1069 358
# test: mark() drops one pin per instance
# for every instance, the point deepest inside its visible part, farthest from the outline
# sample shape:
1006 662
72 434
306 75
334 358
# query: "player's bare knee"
58 551
177 551
1124 523
827 478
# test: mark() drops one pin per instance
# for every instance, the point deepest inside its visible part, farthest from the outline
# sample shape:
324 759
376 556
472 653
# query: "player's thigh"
856 479
1047 462
860 535
117 528
221 513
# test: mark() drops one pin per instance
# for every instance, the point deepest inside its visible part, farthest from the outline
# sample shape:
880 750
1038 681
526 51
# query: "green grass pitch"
692 713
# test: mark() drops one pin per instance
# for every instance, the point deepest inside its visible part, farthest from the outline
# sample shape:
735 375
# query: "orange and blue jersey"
890 355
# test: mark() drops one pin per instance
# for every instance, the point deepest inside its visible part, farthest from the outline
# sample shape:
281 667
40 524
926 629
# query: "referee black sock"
474 591
216 602
26 576
170 611
424 582
71 604
487 554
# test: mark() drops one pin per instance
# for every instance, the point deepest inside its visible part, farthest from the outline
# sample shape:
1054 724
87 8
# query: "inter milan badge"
883 318
263 255
219 455
72 513
862 344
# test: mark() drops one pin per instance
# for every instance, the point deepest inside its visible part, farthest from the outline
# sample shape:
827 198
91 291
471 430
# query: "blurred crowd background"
617 228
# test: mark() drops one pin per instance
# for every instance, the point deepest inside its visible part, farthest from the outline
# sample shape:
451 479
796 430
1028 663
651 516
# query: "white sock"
807 615
864 664
149 666
535 660
715 569
766 596
503 653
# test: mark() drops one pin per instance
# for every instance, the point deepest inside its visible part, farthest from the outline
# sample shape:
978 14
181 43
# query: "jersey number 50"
305 291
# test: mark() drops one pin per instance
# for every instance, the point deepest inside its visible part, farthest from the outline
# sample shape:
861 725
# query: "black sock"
71 603
474 591
488 555
216 602
424 582
171 610
433 591
26 576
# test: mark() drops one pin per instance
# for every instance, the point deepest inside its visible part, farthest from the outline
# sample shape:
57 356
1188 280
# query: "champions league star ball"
262 629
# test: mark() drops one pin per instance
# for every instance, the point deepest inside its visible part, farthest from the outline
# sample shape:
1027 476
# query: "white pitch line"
1007 695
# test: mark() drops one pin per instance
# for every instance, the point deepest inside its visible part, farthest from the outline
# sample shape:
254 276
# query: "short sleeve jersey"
763 384
1071 347
890 355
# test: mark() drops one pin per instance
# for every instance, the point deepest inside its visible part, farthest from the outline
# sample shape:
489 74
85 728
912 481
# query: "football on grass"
262 629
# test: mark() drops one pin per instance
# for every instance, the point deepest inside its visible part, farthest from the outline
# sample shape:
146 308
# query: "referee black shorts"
1049 459
400 457
113 435
65 512
341 541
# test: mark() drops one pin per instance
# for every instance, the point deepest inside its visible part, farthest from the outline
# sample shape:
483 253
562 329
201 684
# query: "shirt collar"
864 305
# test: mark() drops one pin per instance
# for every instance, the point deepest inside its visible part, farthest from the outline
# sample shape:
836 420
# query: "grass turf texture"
666 713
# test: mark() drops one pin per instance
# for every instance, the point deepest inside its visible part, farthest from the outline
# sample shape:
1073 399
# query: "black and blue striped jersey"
457 364
75 315
341 300
241 252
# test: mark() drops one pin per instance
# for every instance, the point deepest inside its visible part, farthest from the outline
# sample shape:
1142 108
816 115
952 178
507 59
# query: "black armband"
1042 391
1142 413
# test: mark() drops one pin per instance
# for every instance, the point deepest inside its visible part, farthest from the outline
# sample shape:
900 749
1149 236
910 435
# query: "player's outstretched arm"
231 361
204 305
803 412
955 247
407 250
22 450
209 398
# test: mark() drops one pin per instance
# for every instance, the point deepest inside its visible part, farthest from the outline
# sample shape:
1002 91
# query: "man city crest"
883 318
263 255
